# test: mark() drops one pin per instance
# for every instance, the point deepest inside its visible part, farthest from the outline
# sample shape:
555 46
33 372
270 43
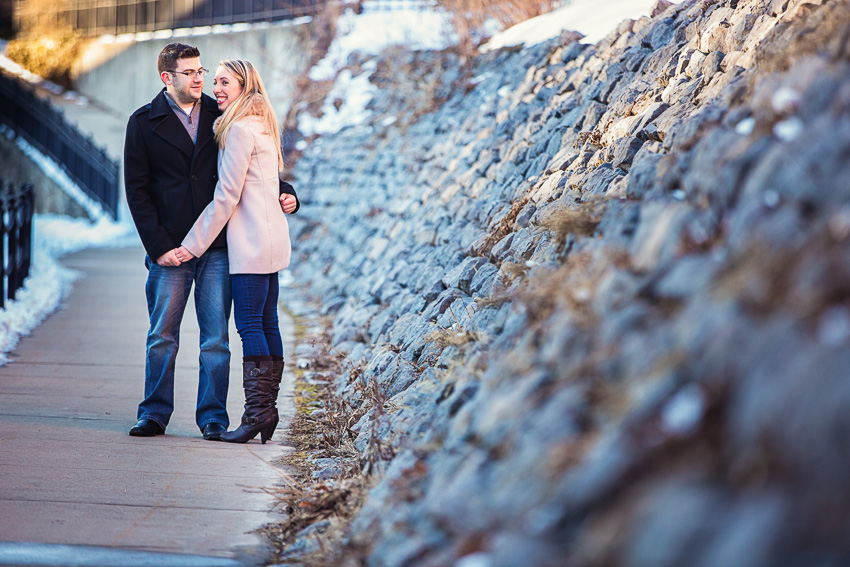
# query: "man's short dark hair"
167 60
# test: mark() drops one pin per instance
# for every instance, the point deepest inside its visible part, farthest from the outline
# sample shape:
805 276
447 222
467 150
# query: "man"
170 162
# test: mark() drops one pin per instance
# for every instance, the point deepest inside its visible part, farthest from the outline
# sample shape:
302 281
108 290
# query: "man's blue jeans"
167 291
255 313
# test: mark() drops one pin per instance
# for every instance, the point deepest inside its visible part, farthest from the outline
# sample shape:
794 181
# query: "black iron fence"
44 127
114 17
16 209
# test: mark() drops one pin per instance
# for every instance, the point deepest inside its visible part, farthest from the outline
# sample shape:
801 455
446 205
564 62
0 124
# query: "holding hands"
182 254
177 256
169 259
174 257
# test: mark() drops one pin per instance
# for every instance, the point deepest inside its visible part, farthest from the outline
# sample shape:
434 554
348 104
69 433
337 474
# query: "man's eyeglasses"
190 73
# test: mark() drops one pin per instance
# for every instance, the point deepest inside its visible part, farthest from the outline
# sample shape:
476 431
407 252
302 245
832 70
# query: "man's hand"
183 255
169 259
288 203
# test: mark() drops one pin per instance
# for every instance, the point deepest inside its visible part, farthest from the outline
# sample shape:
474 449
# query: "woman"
246 200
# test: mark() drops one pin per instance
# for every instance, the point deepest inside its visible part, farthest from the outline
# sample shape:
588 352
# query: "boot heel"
277 375
266 434
259 405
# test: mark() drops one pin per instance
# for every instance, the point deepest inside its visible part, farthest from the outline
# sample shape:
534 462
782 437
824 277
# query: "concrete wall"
17 168
122 75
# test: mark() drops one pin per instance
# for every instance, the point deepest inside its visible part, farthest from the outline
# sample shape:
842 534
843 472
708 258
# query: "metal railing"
114 17
17 205
400 5
46 129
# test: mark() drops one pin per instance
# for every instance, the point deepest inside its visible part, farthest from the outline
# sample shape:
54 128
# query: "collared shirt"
190 119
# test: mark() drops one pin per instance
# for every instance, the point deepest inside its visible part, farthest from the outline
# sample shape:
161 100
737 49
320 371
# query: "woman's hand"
288 203
169 259
182 254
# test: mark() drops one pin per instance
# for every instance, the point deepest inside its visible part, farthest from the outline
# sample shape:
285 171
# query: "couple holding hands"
191 166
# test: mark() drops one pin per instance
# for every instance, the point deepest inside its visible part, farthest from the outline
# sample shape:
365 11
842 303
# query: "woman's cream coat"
246 200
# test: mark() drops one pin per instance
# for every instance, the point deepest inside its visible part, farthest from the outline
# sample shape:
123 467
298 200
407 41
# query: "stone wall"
606 289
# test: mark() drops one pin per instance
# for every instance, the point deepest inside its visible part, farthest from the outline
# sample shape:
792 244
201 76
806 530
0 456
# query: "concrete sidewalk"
70 473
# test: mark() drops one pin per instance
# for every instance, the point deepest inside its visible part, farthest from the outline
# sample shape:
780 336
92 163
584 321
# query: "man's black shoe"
146 428
212 431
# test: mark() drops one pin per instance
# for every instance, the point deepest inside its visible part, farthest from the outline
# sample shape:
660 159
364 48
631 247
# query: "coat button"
194 178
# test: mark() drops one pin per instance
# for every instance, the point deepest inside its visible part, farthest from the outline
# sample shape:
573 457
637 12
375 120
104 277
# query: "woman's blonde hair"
253 100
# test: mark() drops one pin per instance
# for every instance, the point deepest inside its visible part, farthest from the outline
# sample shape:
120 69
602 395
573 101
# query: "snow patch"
53 236
370 33
584 16
352 94
49 282
15 69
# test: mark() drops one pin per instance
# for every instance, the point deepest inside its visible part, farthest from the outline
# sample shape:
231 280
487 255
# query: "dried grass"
593 137
812 29
570 287
513 270
493 301
503 227
578 220
412 82
566 455
764 279
307 501
455 336
469 16
452 337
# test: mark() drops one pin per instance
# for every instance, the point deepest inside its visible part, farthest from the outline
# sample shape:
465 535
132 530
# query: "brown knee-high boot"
258 418
277 375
